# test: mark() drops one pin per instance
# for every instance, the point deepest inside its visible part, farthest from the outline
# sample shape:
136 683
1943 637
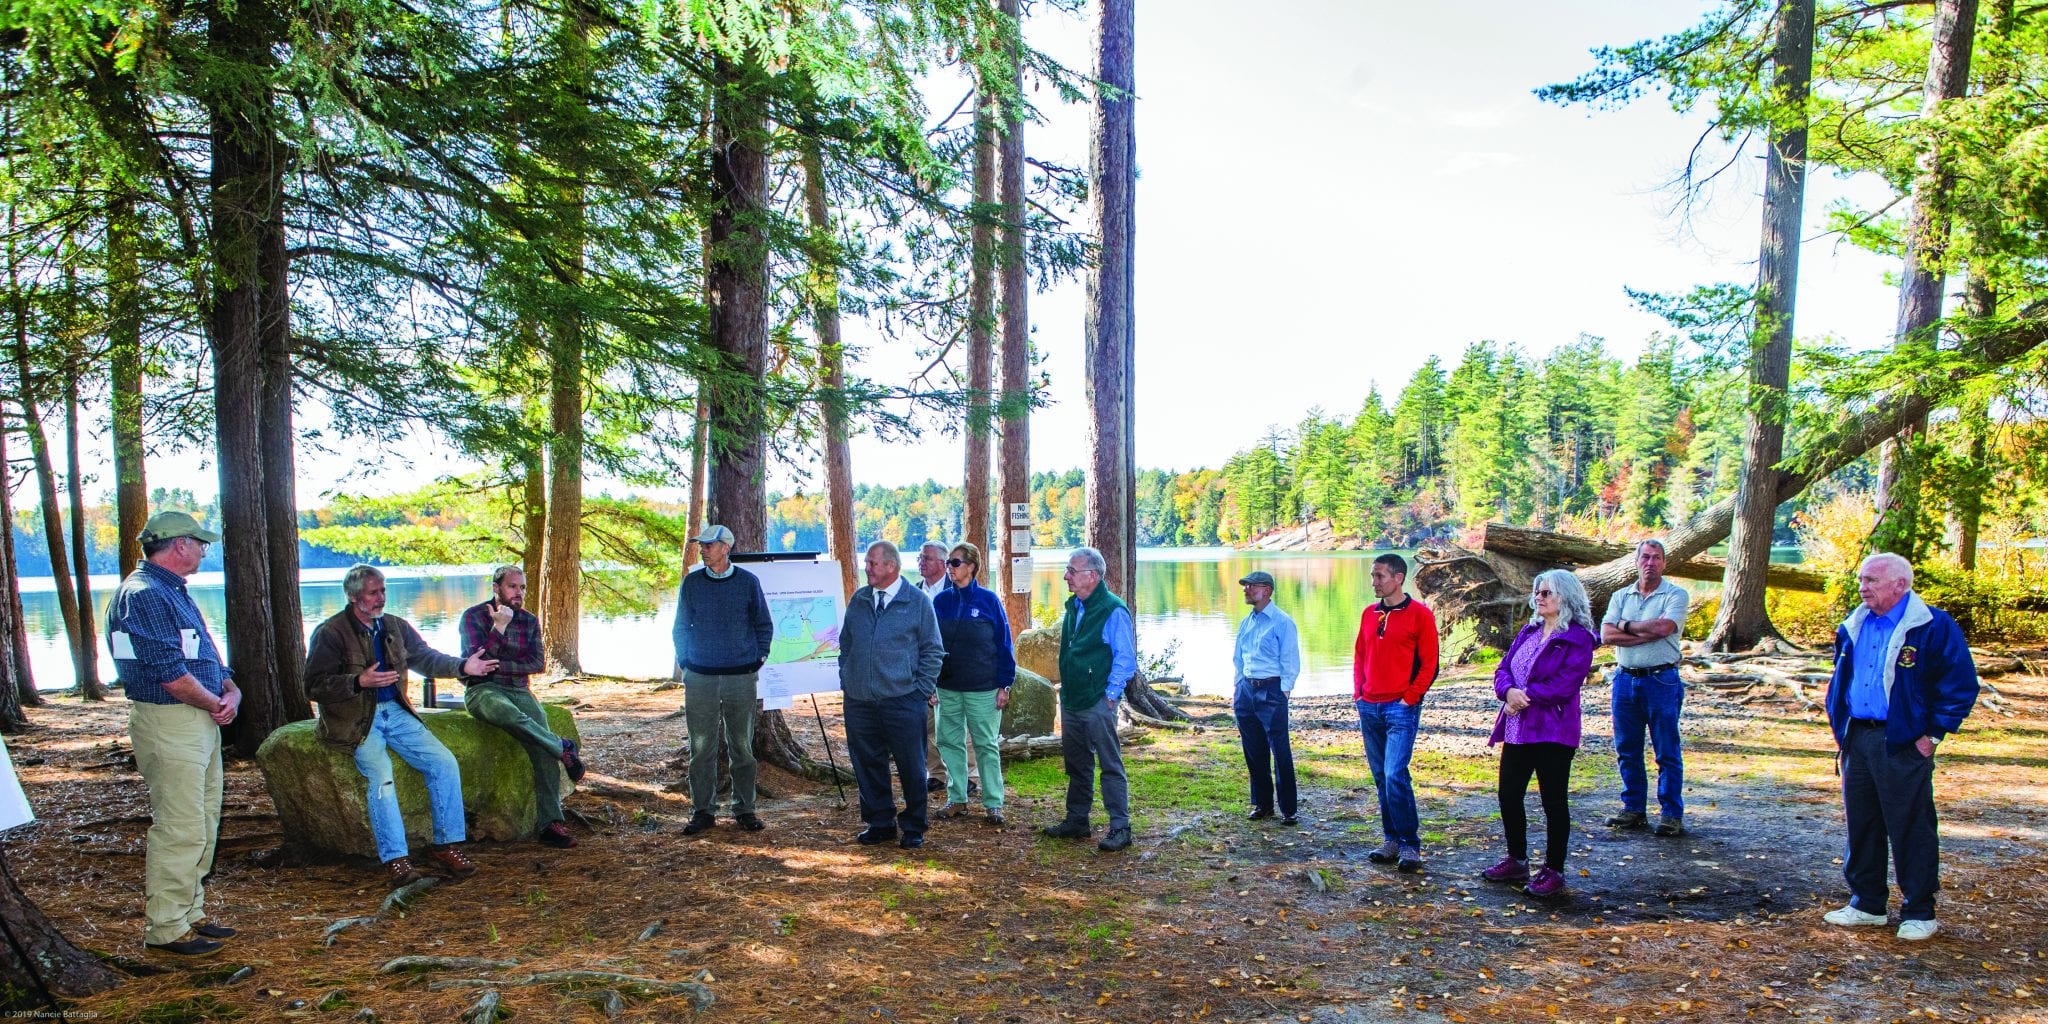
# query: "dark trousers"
1551 763
878 731
1262 728
1087 739
1889 798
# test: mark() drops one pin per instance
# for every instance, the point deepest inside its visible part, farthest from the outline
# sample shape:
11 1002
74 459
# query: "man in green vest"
1098 657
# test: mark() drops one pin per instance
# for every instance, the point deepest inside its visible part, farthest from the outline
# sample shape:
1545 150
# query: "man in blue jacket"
1903 680
722 635
889 659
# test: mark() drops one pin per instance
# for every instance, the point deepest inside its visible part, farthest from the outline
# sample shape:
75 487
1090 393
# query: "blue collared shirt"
1122 638
1867 696
156 636
1268 646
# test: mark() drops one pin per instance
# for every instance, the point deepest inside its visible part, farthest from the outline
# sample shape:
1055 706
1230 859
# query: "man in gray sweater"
722 635
889 657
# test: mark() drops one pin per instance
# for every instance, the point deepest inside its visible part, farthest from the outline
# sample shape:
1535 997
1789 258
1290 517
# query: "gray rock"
1034 706
321 798
1039 651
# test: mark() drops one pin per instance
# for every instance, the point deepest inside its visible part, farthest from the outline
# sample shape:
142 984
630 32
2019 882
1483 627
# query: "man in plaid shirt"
179 695
502 629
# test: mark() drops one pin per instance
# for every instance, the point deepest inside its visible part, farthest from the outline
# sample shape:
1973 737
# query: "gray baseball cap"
1259 578
713 534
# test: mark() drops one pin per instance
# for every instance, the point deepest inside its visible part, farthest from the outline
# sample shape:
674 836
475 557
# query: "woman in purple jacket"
1538 728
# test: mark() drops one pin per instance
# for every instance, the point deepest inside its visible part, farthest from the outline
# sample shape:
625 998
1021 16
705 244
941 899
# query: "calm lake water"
1186 596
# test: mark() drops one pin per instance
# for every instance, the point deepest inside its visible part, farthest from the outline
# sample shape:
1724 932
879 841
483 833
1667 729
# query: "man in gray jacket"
889 657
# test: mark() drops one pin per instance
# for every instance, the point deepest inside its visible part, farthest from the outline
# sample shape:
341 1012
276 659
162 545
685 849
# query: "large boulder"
1039 651
322 803
1034 706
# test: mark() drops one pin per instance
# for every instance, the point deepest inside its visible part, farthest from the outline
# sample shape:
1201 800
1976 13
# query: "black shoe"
1117 839
911 840
1289 819
190 945
1069 829
875 836
208 929
934 784
699 823
1259 814
556 835
749 823
1410 860
572 762
1670 826
1629 820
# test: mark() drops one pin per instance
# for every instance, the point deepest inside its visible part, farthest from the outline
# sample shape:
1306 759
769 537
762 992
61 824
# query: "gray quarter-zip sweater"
891 653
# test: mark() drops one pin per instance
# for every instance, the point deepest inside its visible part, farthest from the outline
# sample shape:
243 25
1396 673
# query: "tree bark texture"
739 306
831 371
11 683
58 966
1743 620
1927 232
16 621
1568 551
1013 471
534 534
1109 337
89 685
247 183
280 476
700 481
83 658
124 347
562 610
981 313
1980 300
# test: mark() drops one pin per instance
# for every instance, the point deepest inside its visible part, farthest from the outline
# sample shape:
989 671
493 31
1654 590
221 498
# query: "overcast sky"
1330 192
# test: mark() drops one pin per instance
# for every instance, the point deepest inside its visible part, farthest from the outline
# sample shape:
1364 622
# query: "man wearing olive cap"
722 635
1268 660
179 695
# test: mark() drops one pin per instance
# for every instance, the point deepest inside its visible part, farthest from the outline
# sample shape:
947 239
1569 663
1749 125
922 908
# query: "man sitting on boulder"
355 669
502 629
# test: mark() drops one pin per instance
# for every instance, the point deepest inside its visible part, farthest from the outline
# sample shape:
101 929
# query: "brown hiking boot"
402 872
452 861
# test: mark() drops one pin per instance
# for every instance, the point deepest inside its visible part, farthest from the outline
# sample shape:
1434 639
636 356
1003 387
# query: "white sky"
1330 192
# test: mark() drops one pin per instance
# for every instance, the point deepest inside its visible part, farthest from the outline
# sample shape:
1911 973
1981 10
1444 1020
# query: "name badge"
191 643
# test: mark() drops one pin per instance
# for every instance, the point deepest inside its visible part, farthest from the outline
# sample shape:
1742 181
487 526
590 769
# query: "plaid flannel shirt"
152 609
517 649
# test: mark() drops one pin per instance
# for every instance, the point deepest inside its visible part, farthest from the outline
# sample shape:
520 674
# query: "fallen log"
1566 550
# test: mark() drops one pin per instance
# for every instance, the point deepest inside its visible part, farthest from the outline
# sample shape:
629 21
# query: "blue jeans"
1268 755
395 731
1653 700
1389 730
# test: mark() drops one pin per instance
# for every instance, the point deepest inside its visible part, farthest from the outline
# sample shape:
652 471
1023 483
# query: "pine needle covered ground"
1209 918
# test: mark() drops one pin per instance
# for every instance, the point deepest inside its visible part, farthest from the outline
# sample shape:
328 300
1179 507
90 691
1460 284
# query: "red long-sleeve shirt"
1396 653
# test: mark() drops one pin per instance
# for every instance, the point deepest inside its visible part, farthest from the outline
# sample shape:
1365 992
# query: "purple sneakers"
1546 883
1508 872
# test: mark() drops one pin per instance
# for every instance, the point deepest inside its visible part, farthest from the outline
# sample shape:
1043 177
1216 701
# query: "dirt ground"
1208 918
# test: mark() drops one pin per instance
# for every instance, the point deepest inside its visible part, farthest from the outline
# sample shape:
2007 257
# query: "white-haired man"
1903 680
889 659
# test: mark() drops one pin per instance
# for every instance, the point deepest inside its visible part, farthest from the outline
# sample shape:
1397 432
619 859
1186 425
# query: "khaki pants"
177 748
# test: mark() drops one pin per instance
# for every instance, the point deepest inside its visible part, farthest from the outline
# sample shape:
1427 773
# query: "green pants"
964 717
516 712
177 748
713 705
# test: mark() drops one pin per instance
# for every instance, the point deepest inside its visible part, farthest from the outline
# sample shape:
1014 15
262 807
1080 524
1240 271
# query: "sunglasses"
1545 593
1383 623
955 563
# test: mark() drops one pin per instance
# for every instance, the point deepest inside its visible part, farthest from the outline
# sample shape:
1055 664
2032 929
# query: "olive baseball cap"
713 534
1260 578
171 525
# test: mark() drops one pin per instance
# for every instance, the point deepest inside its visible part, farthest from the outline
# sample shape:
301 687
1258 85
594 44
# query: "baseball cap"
713 534
1260 577
170 525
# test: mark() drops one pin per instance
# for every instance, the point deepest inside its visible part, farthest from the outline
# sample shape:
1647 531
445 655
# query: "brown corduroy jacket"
337 655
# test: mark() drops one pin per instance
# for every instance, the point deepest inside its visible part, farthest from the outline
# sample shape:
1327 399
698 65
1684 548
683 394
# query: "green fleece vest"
1084 654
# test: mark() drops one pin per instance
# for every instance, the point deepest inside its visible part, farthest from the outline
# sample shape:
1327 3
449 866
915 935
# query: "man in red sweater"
1394 663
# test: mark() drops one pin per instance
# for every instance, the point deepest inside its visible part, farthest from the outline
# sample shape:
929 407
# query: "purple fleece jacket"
1553 688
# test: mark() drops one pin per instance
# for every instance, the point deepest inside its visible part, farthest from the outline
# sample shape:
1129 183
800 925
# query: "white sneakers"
1850 917
1910 931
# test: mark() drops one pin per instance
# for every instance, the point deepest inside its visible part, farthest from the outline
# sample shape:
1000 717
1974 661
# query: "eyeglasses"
1071 570
955 563
1546 593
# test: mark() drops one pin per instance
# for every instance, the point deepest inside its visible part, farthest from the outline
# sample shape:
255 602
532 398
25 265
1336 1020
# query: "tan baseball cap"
170 525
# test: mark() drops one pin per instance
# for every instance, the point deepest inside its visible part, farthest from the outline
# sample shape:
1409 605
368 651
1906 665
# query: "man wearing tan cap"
179 695
722 635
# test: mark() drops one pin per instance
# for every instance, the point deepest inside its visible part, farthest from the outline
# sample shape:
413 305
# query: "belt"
1647 669
1868 723
1262 682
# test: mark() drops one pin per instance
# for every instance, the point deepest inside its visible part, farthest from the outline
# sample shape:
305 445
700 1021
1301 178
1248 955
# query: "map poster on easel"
14 809
806 604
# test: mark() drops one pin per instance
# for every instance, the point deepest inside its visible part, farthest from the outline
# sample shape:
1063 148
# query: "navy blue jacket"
977 637
1933 681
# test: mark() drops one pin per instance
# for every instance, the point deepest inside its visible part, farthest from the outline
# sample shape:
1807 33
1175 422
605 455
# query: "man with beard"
505 631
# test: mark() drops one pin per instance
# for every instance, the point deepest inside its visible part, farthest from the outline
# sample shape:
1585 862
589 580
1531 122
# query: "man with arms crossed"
1903 681
505 631
722 634
1393 665
179 695
1642 624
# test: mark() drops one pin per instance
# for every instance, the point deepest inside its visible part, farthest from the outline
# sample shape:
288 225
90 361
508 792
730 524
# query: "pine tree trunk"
15 620
11 718
89 685
280 479
561 621
831 371
1109 337
1013 474
533 540
700 480
980 325
1920 286
1980 300
739 308
124 336
83 658
1744 621
247 181
63 968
